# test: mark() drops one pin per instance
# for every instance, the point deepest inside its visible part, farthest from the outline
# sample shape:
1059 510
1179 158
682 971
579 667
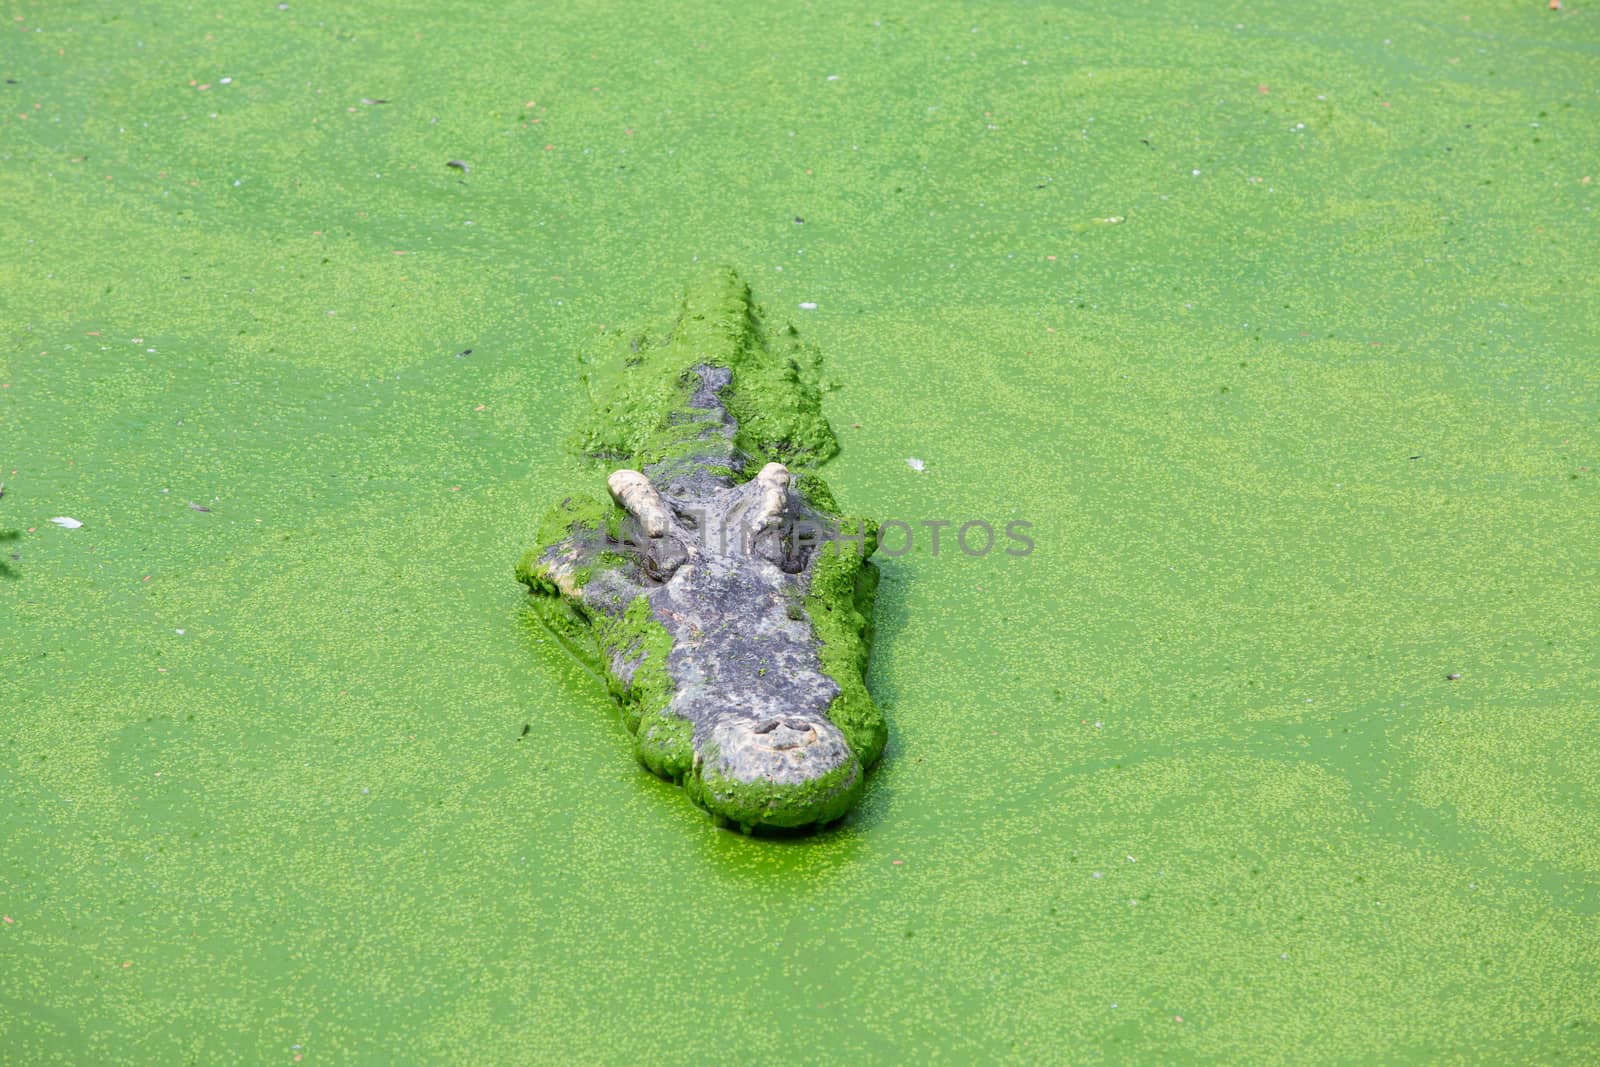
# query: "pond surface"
1279 329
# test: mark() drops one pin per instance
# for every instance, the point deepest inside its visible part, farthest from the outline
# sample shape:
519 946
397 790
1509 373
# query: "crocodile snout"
782 748
781 770
781 734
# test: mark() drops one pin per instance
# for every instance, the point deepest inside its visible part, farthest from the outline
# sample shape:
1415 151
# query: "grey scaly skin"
719 592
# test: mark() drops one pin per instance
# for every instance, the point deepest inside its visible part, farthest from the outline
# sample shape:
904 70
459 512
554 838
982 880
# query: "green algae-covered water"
1276 323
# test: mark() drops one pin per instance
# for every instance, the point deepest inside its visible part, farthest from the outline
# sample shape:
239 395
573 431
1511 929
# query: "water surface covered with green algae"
1276 322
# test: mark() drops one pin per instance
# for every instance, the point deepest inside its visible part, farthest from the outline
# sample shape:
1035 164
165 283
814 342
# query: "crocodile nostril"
799 726
766 727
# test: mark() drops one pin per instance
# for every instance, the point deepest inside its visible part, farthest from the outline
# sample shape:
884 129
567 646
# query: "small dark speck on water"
525 728
197 507
1452 677
464 352
460 164
371 100
1417 456
798 219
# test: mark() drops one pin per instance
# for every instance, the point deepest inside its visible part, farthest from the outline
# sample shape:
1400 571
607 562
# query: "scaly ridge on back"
645 407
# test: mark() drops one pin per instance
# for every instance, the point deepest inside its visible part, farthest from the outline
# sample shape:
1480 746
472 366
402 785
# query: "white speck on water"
915 464
226 81
1097 874
808 305
1196 173
66 521
833 77
178 632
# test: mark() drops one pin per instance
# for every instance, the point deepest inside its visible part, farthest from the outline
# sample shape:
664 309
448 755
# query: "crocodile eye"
766 727
662 558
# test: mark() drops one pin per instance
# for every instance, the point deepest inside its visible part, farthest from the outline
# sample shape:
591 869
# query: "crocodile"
716 587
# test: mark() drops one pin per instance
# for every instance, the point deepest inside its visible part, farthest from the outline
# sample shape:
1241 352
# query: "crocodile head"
723 592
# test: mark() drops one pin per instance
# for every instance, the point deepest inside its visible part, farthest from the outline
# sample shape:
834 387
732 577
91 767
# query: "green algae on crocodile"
721 595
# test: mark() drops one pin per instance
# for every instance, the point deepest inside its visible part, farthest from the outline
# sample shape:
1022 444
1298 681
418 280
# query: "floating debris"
197 507
67 522
1452 677
808 305
460 164
915 464
370 101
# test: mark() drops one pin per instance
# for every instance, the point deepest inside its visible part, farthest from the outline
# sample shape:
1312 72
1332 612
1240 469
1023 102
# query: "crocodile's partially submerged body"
719 592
